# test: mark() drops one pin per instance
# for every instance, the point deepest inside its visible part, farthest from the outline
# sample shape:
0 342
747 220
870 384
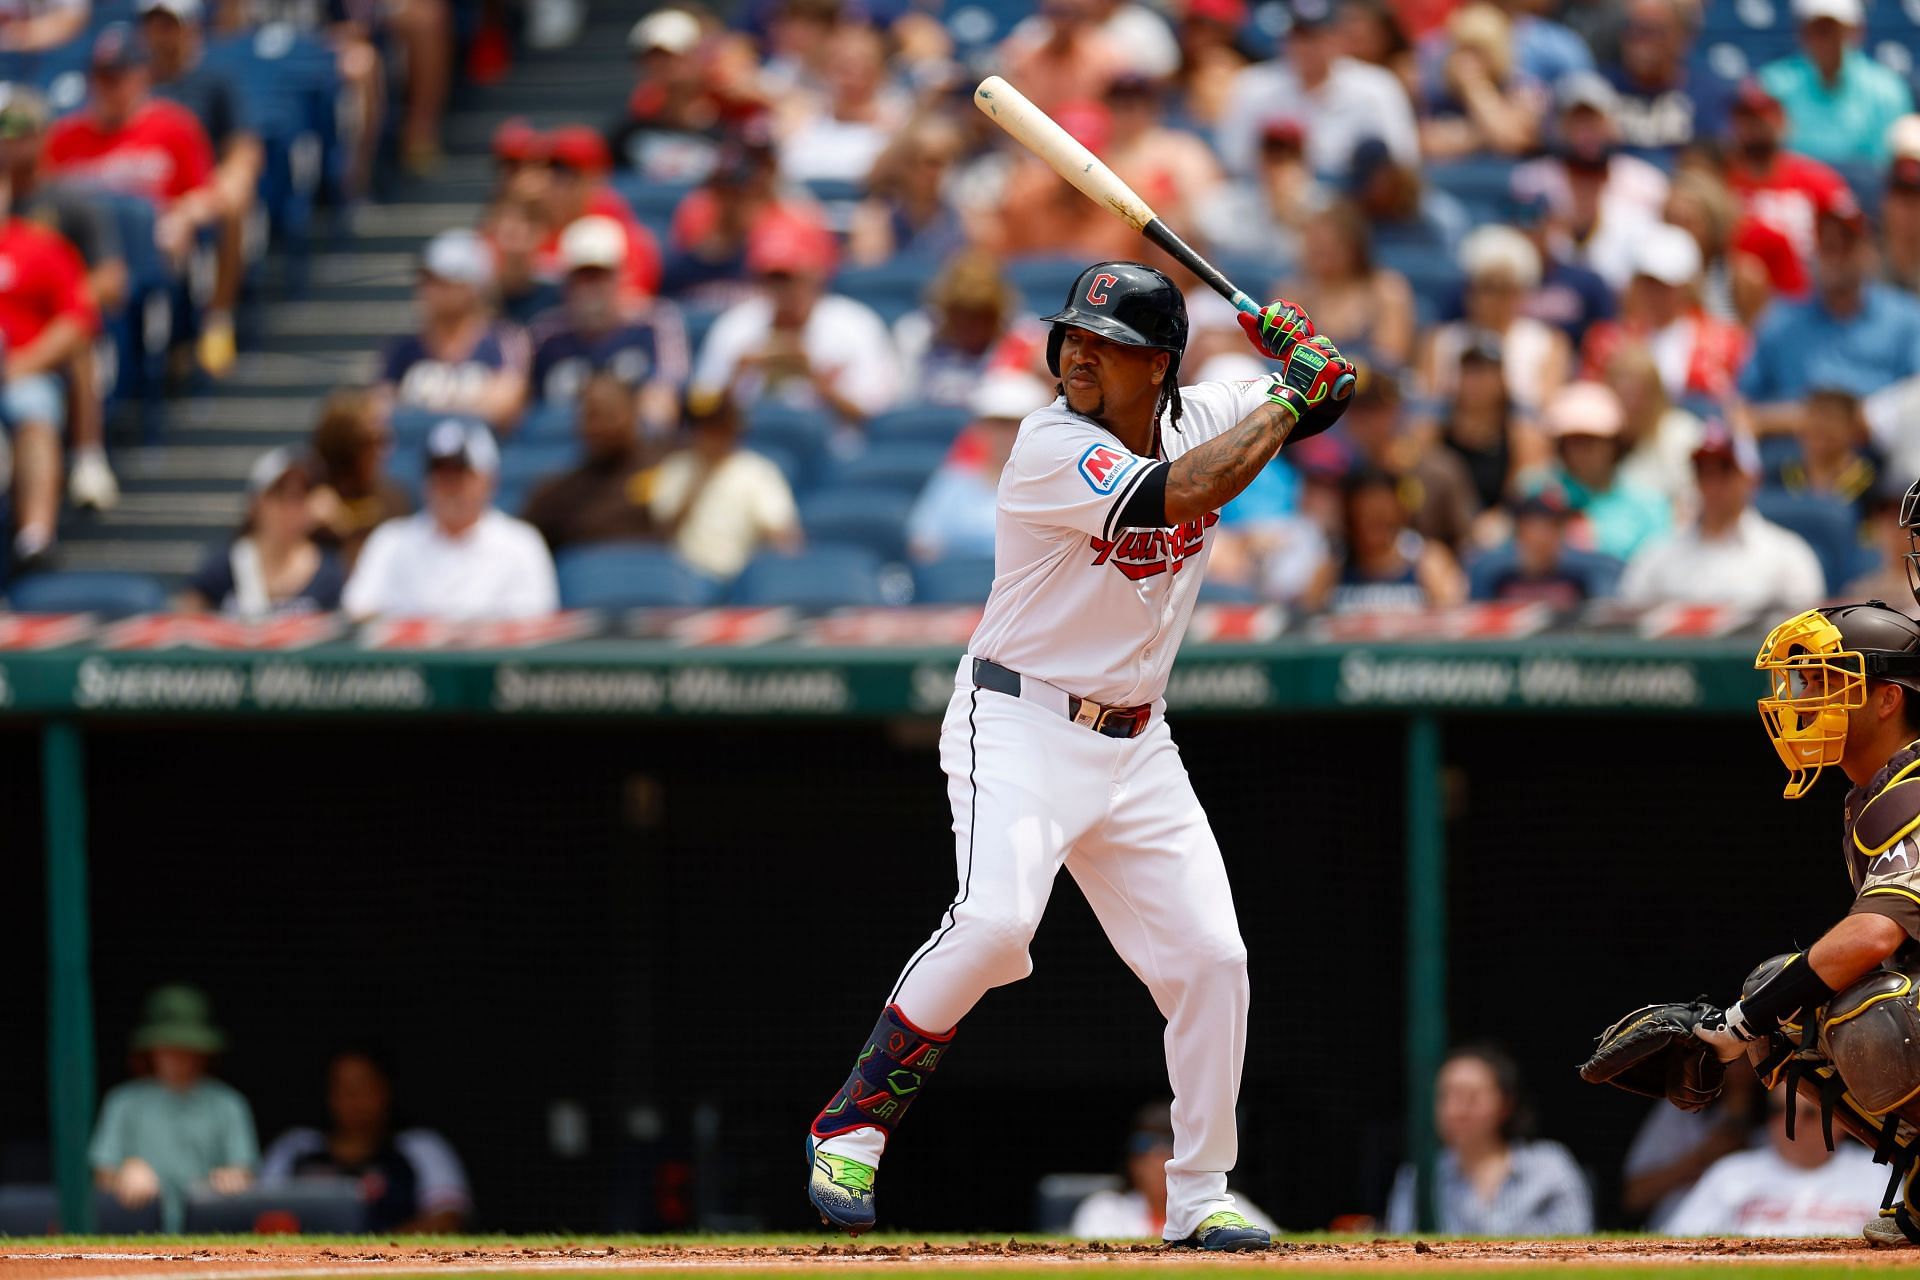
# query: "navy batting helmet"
1129 303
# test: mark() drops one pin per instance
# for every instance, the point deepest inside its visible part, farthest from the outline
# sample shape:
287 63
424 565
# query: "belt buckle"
1090 714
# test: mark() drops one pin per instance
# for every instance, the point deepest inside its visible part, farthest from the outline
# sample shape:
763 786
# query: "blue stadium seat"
801 433
1600 573
630 576
899 465
1213 592
523 464
794 471
411 424
1828 525
873 519
1479 182
931 424
117 595
1043 280
892 288
652 202
817 578
545 422
953 580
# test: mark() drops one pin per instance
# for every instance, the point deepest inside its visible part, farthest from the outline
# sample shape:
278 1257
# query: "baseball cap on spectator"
1848 13
516 141
459 257
1668 254
1904 174
668 30
1546 498
177 1016
457 443
1228 13
117 48
1132 85
1585 90
1089 123
1583 409
1009 394
1483 346
1311 15
787 246
187 11
1497 250
272 467
23 113
1379 382
593 242
1722 442
579 148
1283 133
1752 96
1840 209
1370 156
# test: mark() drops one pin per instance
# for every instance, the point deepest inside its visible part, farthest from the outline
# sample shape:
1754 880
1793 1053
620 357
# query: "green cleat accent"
1225 1232
841 1189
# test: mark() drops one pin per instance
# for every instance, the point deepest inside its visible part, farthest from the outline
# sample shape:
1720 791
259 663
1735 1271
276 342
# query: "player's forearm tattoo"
1203 479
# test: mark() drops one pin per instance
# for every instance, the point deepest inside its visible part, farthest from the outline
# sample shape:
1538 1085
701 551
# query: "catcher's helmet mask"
1910 521
1818 664
1132 304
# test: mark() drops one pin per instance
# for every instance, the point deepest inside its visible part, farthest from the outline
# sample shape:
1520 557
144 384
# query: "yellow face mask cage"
1814 683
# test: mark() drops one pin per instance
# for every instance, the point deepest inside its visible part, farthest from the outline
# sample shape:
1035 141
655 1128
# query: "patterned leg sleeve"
886 1078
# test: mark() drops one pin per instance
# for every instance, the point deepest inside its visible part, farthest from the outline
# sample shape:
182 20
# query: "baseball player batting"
1839 1021
1055 745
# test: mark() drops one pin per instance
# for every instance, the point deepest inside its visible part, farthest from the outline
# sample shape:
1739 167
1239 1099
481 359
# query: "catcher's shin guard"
887 1076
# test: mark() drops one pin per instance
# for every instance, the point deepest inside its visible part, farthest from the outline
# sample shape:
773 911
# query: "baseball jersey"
652 348
1789 196
1758 1193
1882 842
1088 605
162 153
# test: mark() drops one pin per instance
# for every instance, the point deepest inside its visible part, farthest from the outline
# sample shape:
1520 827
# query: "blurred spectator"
124 140
460 558
1382 564
1615 516
1728 553
794 342
46 320
719 503
1544 48
955 513
1493 1178
670 127
642 342
1600 25
274 566
1900 225
603 499
1536 568
1376 431
1265 212
182 74
1570 297
413 1177
1887 539
179 1129
714 224
1140 1211
1743 260
577 188
1054 218
460 361
1480 101
1062 55
1853 328
1667 101
1147 45
1788 1187
32 26
1374 33
1210 57
1172 169
1502 271
1673 1148
1839 102
520 155
852 122
78 219
516 228
1601 198
1352 300
907 210
352 493
1402 210
1697 355
1780 188
1833 457
968 326
1338 101
1659 435
1477 423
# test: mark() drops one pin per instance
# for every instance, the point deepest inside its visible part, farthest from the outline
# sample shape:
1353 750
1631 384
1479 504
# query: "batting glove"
1726 1032
1276 327
1316 387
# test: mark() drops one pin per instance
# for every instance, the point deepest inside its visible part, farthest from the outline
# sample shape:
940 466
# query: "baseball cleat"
1887 1231
841 1189
1225 1232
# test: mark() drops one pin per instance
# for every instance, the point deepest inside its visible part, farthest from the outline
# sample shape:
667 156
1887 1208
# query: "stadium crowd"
1629 326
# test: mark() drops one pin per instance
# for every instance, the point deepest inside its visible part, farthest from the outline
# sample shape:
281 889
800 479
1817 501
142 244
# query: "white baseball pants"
1032 792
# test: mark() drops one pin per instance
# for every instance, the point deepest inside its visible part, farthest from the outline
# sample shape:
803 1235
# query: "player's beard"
1097 410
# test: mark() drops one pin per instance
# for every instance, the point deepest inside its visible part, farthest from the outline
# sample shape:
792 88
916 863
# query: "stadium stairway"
185 492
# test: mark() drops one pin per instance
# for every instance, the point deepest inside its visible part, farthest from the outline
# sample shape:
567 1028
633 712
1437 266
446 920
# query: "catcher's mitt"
1653 1052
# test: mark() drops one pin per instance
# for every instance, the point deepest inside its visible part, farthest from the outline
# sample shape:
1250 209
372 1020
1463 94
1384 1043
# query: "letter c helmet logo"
1097 291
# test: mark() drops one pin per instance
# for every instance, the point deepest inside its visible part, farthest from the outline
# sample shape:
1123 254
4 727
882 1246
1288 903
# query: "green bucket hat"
178 1017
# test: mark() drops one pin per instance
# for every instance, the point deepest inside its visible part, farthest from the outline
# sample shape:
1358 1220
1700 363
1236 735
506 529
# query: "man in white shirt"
1339 101
1786 1188
795 342
459 558
1728 554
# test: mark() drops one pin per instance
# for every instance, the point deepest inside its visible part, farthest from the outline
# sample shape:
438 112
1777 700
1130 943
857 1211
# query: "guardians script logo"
1145 553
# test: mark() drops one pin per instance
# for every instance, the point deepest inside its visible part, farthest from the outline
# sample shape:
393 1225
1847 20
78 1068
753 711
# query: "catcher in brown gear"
1838 1021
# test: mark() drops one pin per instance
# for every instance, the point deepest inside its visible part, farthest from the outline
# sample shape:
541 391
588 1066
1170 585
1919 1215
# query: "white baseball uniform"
1082 607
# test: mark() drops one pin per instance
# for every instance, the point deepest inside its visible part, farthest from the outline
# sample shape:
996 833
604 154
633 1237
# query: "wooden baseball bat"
1039 133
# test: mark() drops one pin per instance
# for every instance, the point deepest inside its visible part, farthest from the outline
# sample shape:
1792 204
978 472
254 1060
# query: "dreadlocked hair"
1169 402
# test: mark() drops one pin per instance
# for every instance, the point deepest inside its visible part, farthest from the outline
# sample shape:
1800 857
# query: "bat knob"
1344 387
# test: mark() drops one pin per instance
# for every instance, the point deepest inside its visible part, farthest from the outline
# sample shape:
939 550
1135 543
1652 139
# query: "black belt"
1111 722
